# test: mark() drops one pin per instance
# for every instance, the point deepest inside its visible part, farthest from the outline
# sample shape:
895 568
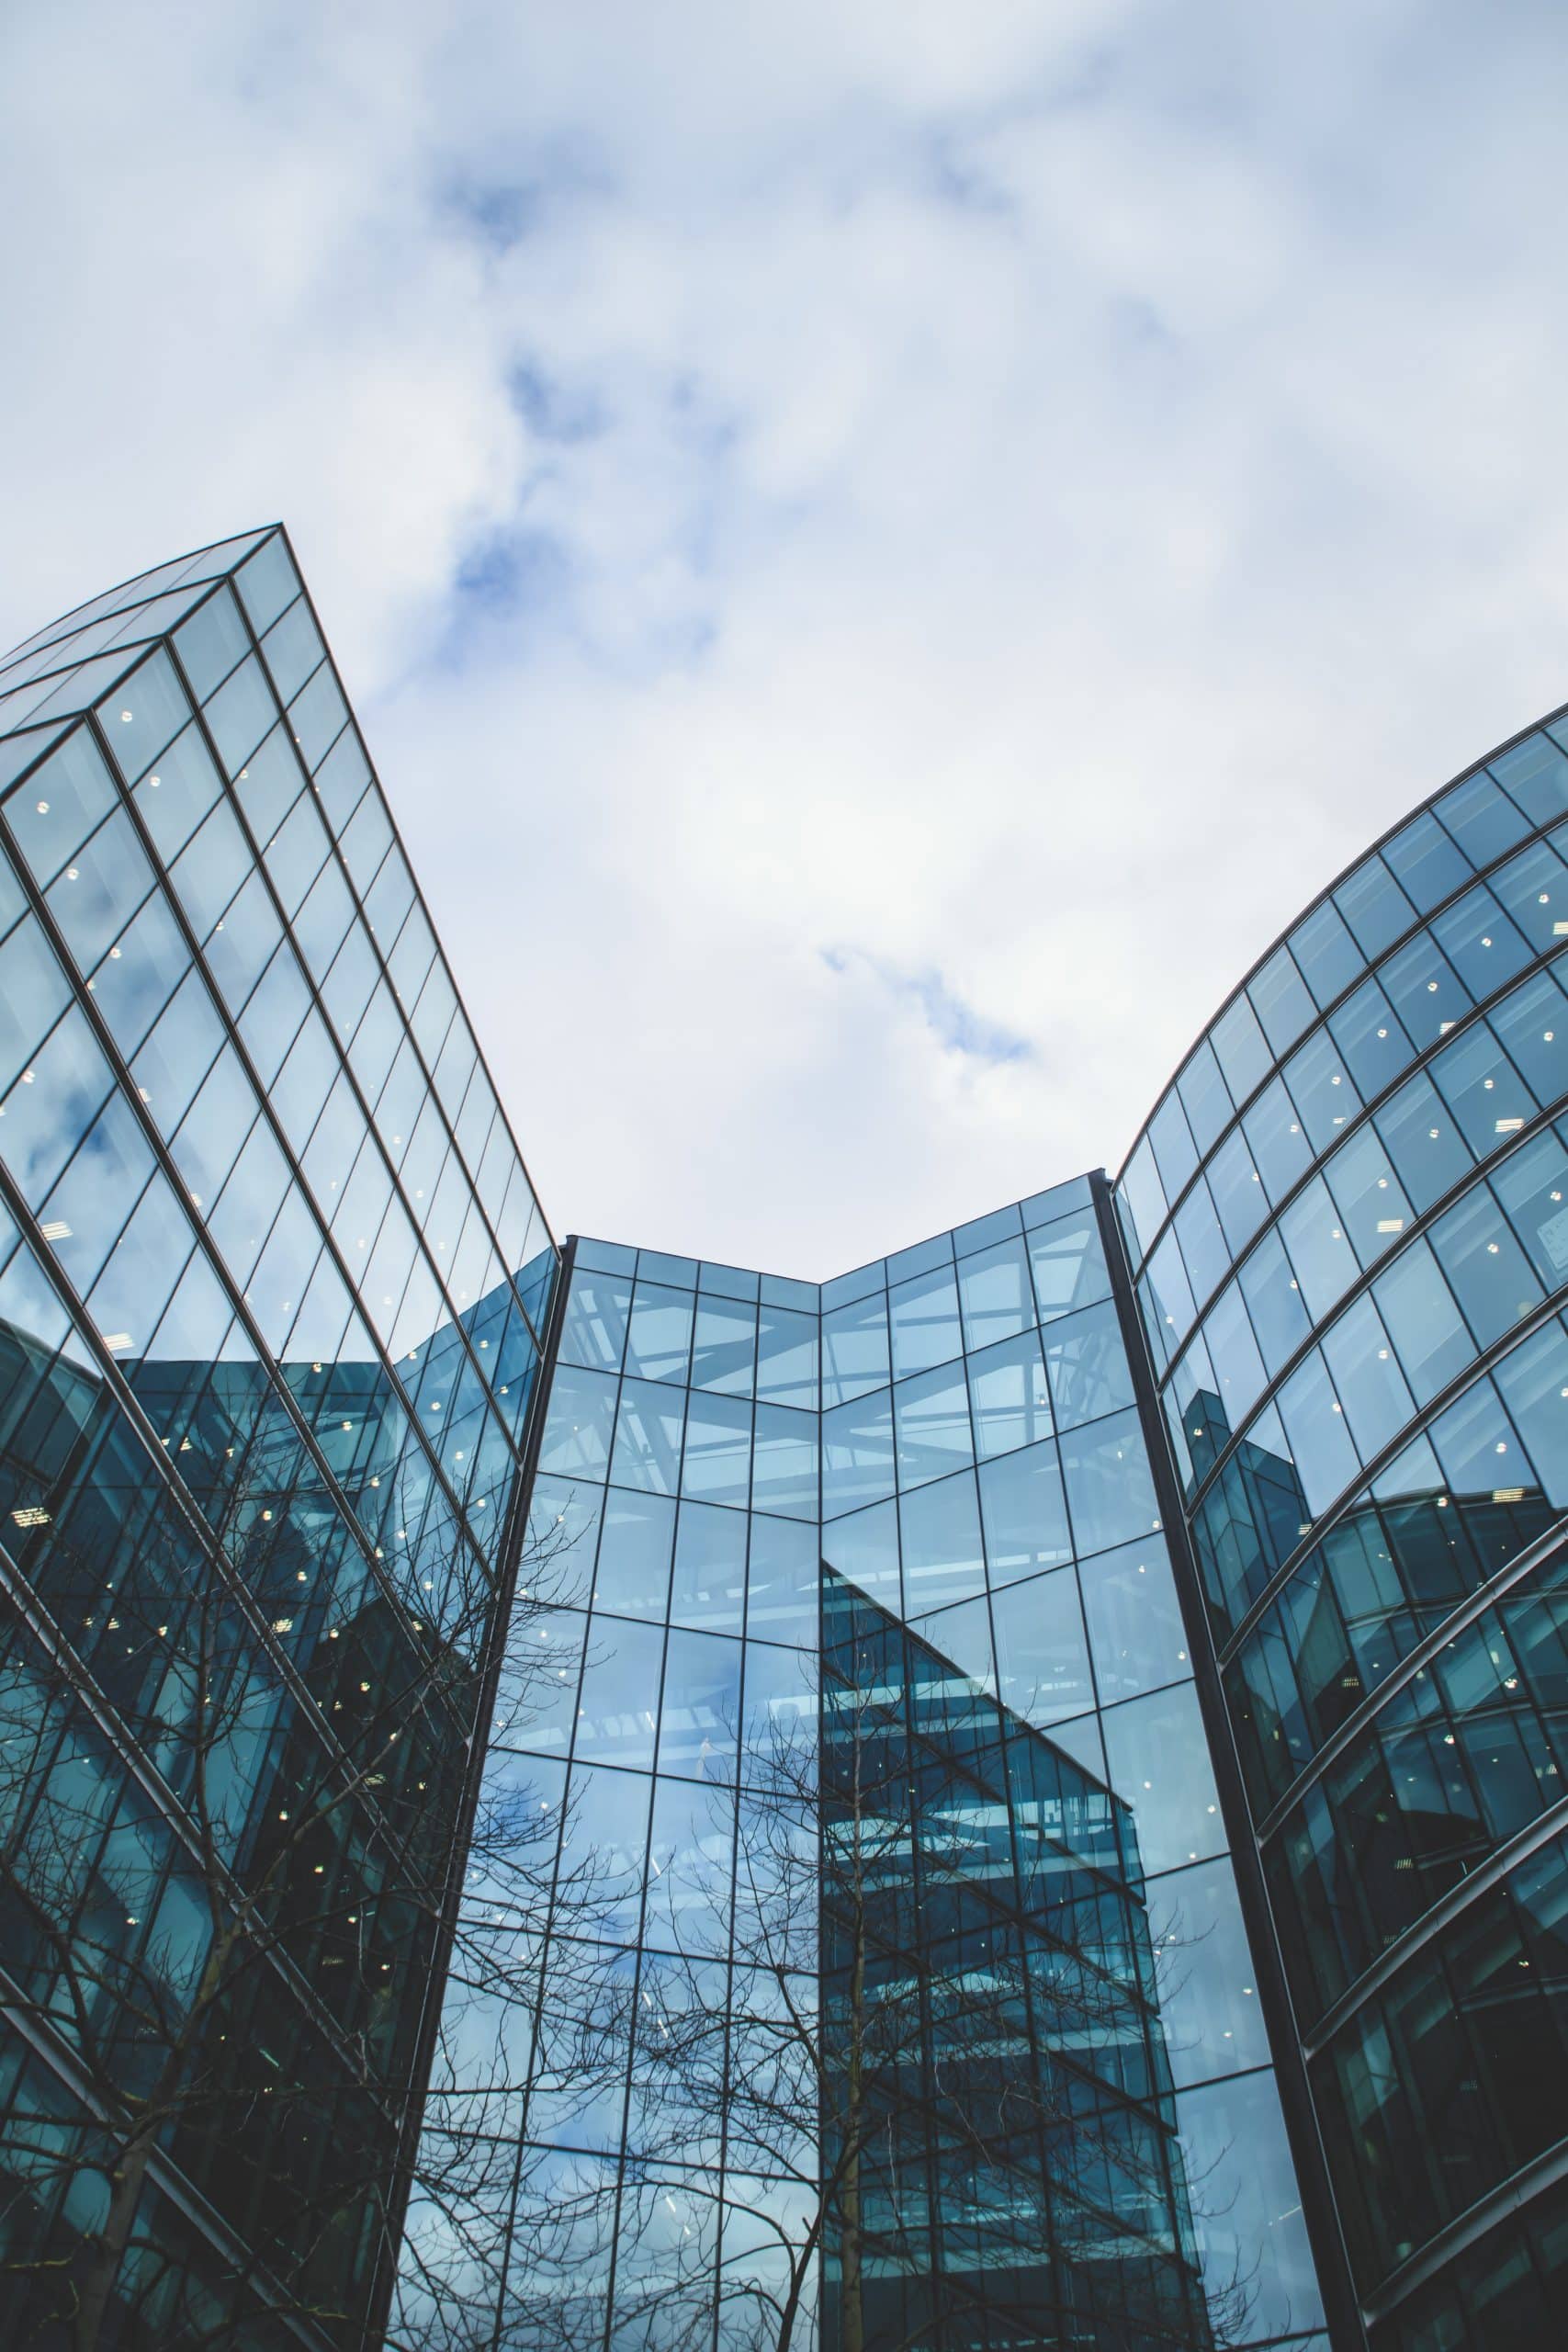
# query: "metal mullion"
419 899
128 1090
135 1414
1329 1517
515 1537
1480 1172
1303 2130
55 2054
258 538
1420 1068
83 1687
286 926
1511 2195
1524 1563
162 1154
1433 1921
1369 970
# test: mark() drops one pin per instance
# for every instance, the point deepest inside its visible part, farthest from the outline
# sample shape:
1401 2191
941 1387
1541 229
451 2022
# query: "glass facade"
272 1284
1348 1223
1006 1798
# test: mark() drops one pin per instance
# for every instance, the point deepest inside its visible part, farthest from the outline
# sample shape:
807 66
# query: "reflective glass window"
1042 1650
1067 1259
1236 1189
718 1449
855 1348
1203 1244
173 798
786 1357
939 1530
212 642
1370 1036
1533 1382
1321 1258
1234 1354
658 1338
1327 955
1534 889
1204 1096
1367 1194
1274 1302
1533 1026
1481 1088
995 1294
1135 1631
618 1708
1320 1444
1486 1268
700 1708
1534 773
1324 1095
923 1319
1277 1141
595 1330
1281 1000
1158 1759
724 1351
1424 862
1024 1513
1374 907
864 1548
709 1588
782 1578
144 712
1141 1198
1424 989
1428 1332
1086 1366
1483 819
1240 1048
931 1421
1423 1142
1171 1294
647 1436
1175 1154
784 1462
1367 1378
1111 1490
64 803
1532 1185
1009 1398
636 1542
1480 942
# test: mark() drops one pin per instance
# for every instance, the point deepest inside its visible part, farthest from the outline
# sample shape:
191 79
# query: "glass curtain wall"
272 1282
1348 1218
954 1433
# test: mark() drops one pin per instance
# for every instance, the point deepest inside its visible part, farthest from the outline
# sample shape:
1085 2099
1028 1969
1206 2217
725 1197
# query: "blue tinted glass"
659 1337
724 1351
864 1548
1281 1000
1485 1094
729 1282
1533 888
1423 1141
1534 773
786 1357
1175 1154
1533 1023
1425 1326
700 1707
1367 1379
621 1674
1321 1258
1424 862
1367 1194
1320 1444
648 1437
1327 955
582 1416
1204 1096
784 1474
1237 1190
1158 1760
709 1586
1240 1048
1135 1632
1203 1249
1323 1094
1486 1269
1234 1355
979 1233
855 1348
939 1537
1008 1395
857 1454
1480 942
1275 1137
1482 820
718 1449
931 1421
1024 1513
1057 1200
1111 1492
638 1533
1067 1259
1143 1200
1086 1363
1371 1037
1424 989
1042 1650
782 1578
923 1317
995 1294
594 1331
1532 1185
1374 907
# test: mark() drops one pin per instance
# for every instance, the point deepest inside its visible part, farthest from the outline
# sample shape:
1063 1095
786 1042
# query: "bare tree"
229 1782
893 2079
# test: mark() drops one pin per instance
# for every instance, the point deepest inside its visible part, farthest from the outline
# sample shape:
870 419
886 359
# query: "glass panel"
1042 1652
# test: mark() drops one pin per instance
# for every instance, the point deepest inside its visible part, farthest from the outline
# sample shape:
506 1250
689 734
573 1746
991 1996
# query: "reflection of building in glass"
262 1387
999 2157
1236 1489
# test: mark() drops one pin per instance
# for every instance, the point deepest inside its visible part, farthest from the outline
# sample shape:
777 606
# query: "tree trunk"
108 2249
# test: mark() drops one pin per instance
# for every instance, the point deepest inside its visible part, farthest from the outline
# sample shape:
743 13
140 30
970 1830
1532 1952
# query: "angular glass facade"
271 1281
1349 1220
1009 1798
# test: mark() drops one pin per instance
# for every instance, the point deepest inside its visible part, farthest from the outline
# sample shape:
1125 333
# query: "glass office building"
1006 1798
271 1281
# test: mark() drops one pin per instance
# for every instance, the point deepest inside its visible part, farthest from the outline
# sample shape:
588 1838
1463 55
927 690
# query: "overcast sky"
883 549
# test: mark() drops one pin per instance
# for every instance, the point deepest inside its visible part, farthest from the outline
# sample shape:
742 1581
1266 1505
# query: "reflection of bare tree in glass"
222 1942
893 2081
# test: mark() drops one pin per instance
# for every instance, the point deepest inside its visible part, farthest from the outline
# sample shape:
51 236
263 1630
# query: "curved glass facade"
1348 1222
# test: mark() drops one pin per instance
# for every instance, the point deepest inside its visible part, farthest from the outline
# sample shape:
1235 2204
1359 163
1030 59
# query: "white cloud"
1021 494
